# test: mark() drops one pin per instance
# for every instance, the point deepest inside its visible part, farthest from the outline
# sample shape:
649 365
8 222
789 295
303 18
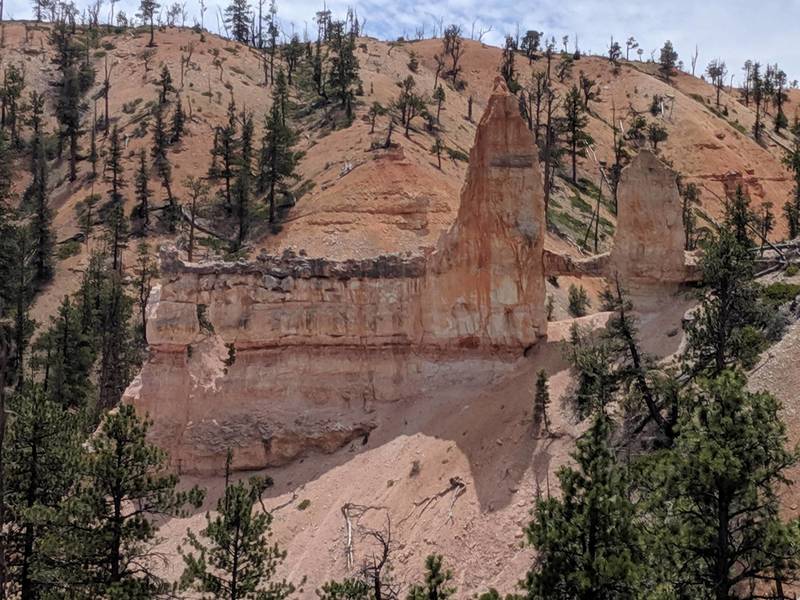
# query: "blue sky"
733 30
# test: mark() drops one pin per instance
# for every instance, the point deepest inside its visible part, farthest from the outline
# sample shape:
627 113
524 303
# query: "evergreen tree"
116 234
667 60
41 459
716 495
578 301
242 186
440 96
716 71
588 543
66 356
277 161
541 401
10 108
19 283
163 166
739 217
42 217
575 122
142 209
114 165
109 530
147 11
165 84
178 122
343 76
237 17
117 353
723 329
234 559
792 207
145 270
435 586
69 107
225 149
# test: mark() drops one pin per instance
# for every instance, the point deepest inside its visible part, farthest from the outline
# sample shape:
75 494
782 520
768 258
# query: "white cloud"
733 30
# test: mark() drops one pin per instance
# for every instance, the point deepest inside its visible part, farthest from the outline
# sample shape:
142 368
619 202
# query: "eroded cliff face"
283 354
649 242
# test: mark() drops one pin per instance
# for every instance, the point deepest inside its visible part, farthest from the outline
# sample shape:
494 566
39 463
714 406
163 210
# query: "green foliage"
41 460
109 530
588 543
435 585
778 293
714 496
541 401
723 330
278 160
347 589
343 74
578 301
668 59
232 558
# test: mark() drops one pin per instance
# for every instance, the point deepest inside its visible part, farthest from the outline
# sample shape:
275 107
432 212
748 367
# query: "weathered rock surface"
649 241
284 354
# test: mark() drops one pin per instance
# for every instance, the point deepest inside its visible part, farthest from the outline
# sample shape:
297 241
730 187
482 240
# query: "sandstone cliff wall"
282 354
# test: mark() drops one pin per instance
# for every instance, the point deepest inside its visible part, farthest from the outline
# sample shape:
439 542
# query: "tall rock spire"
489 265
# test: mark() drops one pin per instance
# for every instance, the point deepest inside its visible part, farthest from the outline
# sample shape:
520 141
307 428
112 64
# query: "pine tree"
178 122
117 230
578 301
110 529
792 207
147 11
436 582
224 151
667 60
145 270
117 353
343 76
277 161
198 193
237 17
19 283
575 121
163 166
10 108
234 559
41 459
114 165
716 495
739 217
541 401
66 356
165 83
68 111
242 186
722 331
42 217
440 96
587 542
142 209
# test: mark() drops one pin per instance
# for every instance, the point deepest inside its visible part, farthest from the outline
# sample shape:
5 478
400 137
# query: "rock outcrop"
283 354
649 242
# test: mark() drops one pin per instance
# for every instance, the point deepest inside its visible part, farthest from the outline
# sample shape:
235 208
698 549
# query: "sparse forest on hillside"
120 134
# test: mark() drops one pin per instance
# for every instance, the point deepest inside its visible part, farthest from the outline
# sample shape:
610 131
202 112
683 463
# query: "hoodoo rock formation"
649 242
281 354
276 356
